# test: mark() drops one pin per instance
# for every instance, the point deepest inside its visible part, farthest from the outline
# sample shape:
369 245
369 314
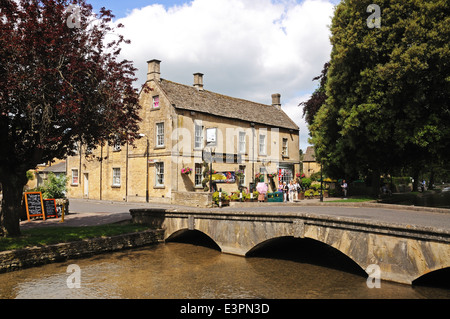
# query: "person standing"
296 190
285 191
344 188
291 191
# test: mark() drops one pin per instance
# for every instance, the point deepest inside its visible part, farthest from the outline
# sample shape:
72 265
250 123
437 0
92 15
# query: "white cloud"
247 49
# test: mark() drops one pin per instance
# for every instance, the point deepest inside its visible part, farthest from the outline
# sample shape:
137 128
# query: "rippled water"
179 270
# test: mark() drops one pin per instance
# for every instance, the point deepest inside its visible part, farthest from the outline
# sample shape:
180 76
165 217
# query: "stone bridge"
403 252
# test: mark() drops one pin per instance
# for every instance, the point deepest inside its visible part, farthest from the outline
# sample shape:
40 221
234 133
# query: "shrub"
306 183
54 186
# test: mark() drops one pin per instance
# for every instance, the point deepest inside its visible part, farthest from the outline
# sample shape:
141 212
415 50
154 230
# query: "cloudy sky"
245 48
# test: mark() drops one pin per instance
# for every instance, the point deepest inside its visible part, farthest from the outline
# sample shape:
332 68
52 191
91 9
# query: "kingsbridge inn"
185 131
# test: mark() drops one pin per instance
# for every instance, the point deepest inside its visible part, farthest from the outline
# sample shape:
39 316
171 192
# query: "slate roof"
57 168
310 155
191 99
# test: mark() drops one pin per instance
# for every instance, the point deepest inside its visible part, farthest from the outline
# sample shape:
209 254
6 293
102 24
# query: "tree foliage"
318 98
387 89
59 84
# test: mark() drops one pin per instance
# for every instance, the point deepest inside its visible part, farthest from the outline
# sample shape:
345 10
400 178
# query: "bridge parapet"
403 252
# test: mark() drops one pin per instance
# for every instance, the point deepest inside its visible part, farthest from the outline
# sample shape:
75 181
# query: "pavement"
84 212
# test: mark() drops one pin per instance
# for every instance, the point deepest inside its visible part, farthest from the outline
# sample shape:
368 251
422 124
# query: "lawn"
54 235
352 200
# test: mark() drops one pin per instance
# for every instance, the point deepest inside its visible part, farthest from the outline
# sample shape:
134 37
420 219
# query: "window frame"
77 177
158 166
262 151
154 102
200 143
160 135
115 176
242 150
198 174
285 148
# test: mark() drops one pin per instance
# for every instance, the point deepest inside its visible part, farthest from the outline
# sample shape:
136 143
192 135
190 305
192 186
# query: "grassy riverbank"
352 200
54 235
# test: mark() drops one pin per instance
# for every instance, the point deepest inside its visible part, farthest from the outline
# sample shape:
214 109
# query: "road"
441 220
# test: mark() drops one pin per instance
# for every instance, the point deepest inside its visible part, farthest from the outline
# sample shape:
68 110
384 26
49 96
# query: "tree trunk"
11 204
376 183
431 182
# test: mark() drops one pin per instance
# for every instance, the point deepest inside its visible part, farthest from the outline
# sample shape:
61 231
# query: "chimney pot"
276 100
154 72
198 81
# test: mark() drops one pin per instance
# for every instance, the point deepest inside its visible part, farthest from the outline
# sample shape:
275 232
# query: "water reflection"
182 271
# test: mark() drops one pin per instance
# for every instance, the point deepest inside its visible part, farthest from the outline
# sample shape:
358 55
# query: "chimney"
198 81
153 70
276 100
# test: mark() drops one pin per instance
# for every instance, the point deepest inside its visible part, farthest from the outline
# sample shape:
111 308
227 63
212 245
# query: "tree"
388 88
60 82
318 98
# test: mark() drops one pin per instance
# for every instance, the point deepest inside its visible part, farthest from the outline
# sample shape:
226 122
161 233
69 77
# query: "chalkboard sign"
34 204
50 208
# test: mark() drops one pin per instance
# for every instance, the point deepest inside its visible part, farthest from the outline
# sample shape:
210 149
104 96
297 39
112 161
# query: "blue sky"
247 49
121 7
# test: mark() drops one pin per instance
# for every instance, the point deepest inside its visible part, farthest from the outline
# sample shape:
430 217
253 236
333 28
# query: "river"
177 270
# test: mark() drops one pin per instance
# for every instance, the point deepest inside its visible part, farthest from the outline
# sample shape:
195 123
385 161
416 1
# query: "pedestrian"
344 188
285 192
296 190
262 190
280 187
291 191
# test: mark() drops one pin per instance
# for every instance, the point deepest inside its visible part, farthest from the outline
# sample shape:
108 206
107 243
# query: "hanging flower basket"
186 171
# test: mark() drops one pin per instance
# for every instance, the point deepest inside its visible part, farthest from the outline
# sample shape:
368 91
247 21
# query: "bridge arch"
306 250
437 278
403 252
195 237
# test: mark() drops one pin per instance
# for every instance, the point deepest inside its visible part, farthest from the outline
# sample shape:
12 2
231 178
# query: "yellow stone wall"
178 152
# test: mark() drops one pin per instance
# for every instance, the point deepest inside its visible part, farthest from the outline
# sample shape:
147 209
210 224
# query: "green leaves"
387 88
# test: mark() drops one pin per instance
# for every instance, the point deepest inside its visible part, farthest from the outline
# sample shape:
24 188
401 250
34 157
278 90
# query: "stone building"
183 127
310 165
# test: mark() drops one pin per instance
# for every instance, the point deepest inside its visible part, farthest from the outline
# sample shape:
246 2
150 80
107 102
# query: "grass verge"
55 235
352 200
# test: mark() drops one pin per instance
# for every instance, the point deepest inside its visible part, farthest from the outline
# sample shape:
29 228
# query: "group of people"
290 191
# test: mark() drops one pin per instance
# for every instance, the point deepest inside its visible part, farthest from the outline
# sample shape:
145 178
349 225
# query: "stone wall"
200 199
30 257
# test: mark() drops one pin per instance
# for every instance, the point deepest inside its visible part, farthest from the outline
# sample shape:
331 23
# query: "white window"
284 150
211 136
155 103
159 134
116 177
242 145
198 143
117 147
198 175
262 144
74 177
159 173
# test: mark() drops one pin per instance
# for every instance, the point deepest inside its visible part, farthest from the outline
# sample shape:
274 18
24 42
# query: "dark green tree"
387 90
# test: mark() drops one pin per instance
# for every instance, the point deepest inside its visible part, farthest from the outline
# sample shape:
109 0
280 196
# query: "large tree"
388 88
61 82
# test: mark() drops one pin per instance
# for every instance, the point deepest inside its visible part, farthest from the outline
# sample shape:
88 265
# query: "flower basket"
186 171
